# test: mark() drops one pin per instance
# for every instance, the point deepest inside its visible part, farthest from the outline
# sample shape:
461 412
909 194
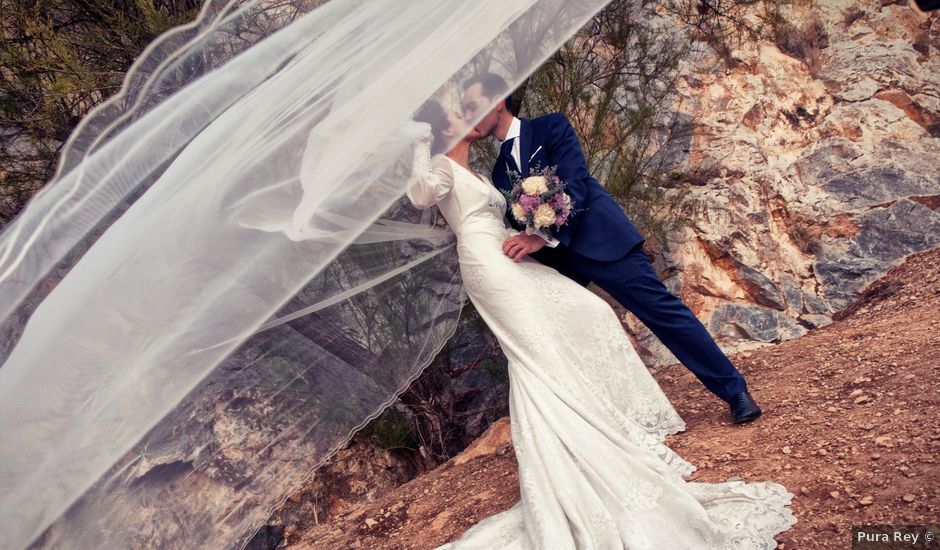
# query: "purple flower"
528 202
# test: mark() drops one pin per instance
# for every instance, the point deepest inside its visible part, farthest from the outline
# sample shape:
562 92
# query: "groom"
599 244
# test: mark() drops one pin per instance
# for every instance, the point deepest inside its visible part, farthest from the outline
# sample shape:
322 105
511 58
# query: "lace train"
589 424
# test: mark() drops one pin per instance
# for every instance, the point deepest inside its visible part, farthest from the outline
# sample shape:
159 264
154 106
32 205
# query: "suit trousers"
633 282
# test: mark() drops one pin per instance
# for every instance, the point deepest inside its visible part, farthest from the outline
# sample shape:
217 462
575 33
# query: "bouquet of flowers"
539 201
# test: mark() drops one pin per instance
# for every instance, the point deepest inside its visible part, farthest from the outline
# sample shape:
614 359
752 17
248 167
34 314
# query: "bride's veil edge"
536 24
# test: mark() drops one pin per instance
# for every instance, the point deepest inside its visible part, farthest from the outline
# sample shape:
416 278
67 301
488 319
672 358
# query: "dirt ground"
851 426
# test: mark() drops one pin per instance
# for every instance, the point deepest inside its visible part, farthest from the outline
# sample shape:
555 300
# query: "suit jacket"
602 231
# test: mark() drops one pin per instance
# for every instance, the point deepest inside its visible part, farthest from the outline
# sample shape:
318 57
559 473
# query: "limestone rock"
825 178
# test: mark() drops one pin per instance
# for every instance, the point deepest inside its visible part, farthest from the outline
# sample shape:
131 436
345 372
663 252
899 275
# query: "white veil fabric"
223 282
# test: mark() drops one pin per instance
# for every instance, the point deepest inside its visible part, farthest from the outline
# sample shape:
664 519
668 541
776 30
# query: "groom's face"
475 104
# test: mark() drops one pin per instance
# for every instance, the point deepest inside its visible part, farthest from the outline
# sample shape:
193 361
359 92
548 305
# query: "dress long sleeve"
431 179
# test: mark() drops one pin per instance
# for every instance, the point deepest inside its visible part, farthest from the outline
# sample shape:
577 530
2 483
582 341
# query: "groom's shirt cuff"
549 241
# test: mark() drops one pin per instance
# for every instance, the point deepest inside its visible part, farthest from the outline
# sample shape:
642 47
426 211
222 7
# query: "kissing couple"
588 420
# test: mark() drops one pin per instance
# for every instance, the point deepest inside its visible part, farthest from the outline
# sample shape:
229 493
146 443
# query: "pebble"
865 501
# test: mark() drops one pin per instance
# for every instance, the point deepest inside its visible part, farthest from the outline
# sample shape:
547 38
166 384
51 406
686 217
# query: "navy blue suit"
601 245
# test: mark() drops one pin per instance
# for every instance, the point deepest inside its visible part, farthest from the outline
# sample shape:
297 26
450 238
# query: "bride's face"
459 126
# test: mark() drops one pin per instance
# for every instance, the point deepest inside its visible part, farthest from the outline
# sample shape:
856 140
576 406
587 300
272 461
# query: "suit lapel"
525 145
500 174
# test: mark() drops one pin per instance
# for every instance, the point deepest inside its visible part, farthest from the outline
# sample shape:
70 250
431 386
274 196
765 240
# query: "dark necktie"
506 150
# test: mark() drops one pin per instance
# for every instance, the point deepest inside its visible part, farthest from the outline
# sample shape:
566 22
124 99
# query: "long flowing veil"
223 282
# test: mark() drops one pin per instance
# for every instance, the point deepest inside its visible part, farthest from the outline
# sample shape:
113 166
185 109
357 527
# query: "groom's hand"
518 246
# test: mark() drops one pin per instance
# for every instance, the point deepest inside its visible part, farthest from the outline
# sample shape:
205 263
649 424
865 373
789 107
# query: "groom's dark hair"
493 86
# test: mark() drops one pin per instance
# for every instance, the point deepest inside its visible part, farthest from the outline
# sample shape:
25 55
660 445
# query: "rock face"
825 178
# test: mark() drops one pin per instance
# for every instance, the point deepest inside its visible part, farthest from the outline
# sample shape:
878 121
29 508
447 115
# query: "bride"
588 420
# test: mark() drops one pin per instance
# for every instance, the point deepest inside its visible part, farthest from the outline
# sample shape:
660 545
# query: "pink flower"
528 202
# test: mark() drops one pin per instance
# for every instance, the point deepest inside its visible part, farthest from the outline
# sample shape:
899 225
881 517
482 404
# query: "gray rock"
815 304
731 321
763 291
878 185
793 295
815 321
886 236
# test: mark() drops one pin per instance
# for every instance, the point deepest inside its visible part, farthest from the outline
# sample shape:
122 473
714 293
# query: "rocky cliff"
819 152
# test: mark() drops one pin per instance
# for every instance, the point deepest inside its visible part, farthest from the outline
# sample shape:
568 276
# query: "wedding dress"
588 420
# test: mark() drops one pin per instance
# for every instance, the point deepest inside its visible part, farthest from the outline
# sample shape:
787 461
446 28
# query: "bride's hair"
433 113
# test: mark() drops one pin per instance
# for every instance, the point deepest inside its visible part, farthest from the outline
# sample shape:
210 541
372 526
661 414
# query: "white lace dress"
588 420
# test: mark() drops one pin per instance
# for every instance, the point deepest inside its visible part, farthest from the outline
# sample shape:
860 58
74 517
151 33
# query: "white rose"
518 212
535 185
544 216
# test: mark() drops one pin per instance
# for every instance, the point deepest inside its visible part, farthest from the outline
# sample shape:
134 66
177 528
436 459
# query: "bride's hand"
521 245
417 131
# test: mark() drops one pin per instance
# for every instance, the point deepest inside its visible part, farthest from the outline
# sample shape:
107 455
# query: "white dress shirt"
515 133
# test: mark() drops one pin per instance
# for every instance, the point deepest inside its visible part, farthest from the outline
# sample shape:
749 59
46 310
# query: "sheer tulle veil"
223 282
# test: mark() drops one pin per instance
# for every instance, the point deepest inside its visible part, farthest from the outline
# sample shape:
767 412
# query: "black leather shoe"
743 408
